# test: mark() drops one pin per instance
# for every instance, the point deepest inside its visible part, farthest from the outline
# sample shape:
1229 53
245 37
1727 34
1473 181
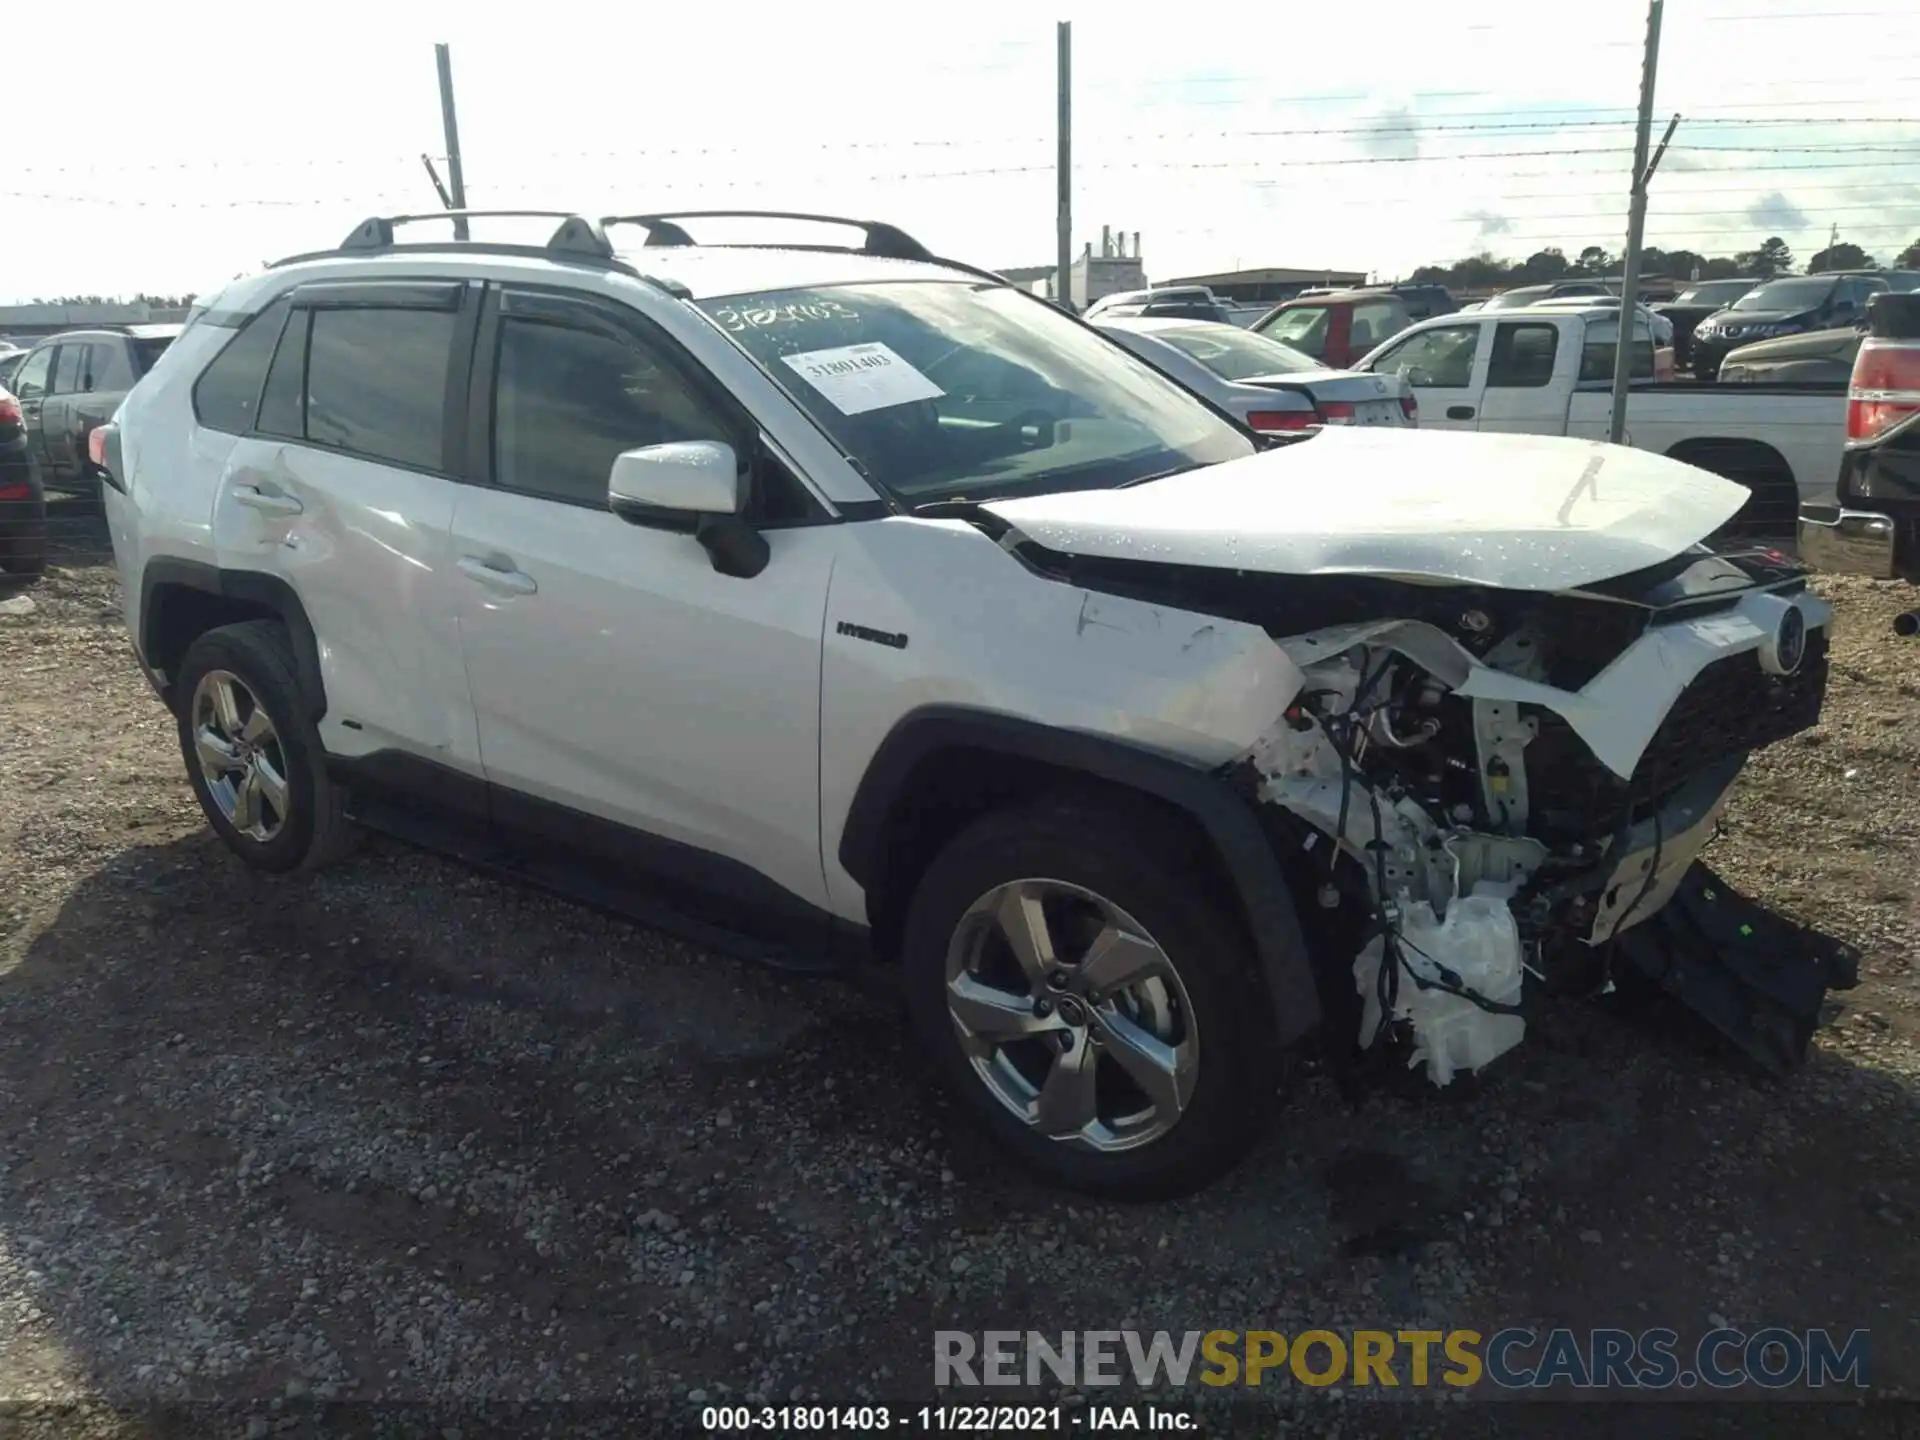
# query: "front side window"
1522 356
568 400
1303 328
35 371
377 382
1437 359
944 390
1236 354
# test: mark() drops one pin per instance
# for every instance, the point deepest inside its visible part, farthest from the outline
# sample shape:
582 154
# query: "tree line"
1771 257
158 302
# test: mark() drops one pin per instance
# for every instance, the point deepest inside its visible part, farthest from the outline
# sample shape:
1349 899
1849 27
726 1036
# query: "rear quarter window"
226 397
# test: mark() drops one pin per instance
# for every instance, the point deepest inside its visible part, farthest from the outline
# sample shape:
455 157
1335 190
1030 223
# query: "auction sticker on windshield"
859 378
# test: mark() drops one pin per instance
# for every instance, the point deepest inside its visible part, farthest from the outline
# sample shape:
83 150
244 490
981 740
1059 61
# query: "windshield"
1236 354
941 390
1716 292
1802 294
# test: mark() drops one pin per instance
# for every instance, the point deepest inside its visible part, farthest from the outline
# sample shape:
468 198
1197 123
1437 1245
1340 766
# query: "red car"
23 505
1336 329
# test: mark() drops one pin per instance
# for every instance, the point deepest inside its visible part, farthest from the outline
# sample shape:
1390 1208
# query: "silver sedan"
1269 385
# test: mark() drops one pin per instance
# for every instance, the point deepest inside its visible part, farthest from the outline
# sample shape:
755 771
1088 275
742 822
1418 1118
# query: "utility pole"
1636 228
1063 217
456 179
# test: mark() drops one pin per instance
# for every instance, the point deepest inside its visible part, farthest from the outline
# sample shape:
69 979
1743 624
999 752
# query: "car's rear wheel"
252 752
1083 993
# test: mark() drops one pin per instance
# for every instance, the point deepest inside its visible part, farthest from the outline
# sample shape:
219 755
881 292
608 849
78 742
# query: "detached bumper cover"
1755 976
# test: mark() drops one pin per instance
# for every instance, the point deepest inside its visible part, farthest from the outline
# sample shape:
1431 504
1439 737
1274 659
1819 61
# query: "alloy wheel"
240 756
1072 1015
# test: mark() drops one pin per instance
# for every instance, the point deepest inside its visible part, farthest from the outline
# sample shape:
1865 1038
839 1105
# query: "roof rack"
888 242
585 241
576 238
882 239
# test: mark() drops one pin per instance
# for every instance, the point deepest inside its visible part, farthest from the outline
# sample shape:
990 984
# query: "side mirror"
685 477
695 487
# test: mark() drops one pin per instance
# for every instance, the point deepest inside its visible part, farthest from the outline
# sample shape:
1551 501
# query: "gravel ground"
402 1132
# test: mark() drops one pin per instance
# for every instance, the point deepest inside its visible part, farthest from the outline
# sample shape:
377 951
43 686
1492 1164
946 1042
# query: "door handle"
497 577
254 498
1459 412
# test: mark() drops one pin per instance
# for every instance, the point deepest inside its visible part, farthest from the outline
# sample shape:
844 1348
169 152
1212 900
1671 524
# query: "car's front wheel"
1081 989
252 751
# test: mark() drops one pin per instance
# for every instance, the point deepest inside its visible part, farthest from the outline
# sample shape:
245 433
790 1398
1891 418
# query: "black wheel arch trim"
251 587
1224 816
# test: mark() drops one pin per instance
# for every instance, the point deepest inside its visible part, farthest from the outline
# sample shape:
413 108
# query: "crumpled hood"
1514 512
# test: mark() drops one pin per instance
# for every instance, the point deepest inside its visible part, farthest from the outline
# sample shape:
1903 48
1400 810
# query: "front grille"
1772 510
1731 708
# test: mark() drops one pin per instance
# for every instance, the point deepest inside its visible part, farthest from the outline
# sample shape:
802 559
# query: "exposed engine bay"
1498 787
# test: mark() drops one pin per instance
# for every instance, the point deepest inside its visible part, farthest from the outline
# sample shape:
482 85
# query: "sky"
181 146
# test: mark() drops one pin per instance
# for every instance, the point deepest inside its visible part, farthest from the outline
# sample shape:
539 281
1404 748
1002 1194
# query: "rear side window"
226 397
149 348
1597 353
1522 356
66 373
1373 323
106 368
377 383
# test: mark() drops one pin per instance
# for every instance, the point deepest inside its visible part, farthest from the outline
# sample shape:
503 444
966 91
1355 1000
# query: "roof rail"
575 235
576 238
889 242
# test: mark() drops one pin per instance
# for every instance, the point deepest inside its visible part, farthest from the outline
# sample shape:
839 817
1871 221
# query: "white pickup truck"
1548 370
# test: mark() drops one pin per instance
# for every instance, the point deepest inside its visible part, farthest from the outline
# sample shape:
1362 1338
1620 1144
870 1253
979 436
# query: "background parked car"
69 384
1187 302
1533 294
1265 383
10 362
1788 306
1696 303
1423 301
23 507
1338 328
1822 356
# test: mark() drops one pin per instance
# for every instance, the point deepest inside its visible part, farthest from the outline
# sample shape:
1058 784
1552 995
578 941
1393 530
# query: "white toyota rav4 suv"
843 603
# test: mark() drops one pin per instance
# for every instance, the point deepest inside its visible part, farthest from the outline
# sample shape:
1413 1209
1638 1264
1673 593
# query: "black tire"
259 654
1136 858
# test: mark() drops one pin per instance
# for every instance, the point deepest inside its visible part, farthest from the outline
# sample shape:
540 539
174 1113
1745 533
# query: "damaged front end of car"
1519 717
1513 787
